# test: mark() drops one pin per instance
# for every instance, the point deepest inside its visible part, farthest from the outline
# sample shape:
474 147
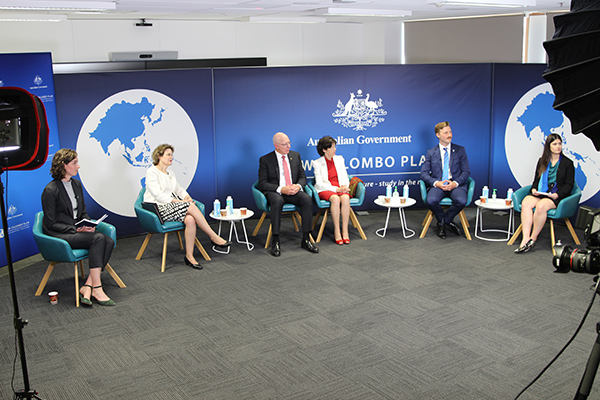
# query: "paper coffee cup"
402 200
482 199
53 297
508 202
223 213
387 200
243 210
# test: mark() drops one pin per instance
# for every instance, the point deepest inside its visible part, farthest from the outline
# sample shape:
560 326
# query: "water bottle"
217 208
405 191
396 194
388 191
485 192
229 205
509 194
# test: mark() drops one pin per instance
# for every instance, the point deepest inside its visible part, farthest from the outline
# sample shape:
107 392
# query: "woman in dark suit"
553 181
63 205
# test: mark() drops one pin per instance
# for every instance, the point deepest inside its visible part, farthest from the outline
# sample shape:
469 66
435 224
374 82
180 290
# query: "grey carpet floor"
385 318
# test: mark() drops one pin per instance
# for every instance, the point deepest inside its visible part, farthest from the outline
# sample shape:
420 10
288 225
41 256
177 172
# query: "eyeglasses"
286 144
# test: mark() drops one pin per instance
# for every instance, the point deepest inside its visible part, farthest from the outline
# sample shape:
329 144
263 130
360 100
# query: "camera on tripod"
581 260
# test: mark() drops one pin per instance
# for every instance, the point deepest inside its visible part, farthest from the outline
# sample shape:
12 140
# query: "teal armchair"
151 224
566 208
324 206
261 202
57 250
448 202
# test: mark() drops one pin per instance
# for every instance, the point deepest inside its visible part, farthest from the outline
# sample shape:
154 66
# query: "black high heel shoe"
189 263
223 246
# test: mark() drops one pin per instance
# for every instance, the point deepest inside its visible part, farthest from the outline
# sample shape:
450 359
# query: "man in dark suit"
281 178
445 171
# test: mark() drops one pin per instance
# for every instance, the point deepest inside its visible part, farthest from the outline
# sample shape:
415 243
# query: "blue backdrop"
382 116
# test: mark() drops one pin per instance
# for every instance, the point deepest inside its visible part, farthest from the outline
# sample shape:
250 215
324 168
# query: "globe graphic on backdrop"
531 121
116 141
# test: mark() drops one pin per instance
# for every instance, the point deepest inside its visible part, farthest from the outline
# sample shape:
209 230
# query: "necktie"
286 172
446 169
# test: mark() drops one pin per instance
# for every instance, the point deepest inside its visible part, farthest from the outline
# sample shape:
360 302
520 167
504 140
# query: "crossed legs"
533 221
193 219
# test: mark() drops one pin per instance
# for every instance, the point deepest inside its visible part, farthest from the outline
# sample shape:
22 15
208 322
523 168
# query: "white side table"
395 203
232 219
494 205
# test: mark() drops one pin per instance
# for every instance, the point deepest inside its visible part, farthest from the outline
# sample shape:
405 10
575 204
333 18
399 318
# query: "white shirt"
281 174
161 186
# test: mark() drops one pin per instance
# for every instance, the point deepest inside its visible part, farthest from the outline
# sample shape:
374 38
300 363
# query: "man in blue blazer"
446 182
281 178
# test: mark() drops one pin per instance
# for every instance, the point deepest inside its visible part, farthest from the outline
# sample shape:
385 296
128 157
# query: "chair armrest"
360 193
108 230
423 188
260 199
519 195
568 206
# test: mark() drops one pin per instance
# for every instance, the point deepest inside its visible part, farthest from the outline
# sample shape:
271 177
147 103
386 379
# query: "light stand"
19 323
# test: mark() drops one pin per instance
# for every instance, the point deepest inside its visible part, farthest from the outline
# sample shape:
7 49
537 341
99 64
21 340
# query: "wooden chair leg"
356 224
202 251
426 223
552 237
573 234
316 219
42 285
296 215
268 242
465 224
114 275
143 248
81 271
164 253
77 283
515 235
180 241
260 221
320 235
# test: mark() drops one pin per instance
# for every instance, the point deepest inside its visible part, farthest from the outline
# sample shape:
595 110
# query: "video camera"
580 260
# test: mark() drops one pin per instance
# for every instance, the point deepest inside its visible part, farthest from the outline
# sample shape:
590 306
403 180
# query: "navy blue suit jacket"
431 170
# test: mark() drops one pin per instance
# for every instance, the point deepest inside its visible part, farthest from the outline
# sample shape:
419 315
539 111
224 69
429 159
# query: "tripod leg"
590 370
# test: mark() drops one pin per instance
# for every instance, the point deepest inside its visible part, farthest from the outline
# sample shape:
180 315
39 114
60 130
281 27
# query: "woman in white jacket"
175 204
331 182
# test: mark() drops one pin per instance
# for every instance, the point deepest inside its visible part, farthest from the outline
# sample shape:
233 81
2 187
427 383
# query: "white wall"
498 39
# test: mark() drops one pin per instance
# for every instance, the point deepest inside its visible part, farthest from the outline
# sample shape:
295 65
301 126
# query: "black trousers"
300 199
98 244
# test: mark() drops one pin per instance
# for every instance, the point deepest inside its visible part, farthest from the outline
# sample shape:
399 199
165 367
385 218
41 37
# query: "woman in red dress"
331 182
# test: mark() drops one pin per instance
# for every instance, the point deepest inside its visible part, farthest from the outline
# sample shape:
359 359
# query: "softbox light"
23 130
573 65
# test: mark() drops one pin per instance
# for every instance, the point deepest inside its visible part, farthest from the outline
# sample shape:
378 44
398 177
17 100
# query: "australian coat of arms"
359 112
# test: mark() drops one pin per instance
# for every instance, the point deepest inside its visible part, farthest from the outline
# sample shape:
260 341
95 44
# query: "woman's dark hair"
547 153
325 143
61 157
160 151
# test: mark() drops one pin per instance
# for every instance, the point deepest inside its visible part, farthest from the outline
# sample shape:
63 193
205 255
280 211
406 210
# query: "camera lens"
580 261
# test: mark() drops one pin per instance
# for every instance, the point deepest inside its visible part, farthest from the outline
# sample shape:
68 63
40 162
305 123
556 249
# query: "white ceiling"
237 10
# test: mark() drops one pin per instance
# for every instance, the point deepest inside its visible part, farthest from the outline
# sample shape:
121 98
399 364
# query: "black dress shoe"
442 231
307 244
188 262
454 228
275 249
223 246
